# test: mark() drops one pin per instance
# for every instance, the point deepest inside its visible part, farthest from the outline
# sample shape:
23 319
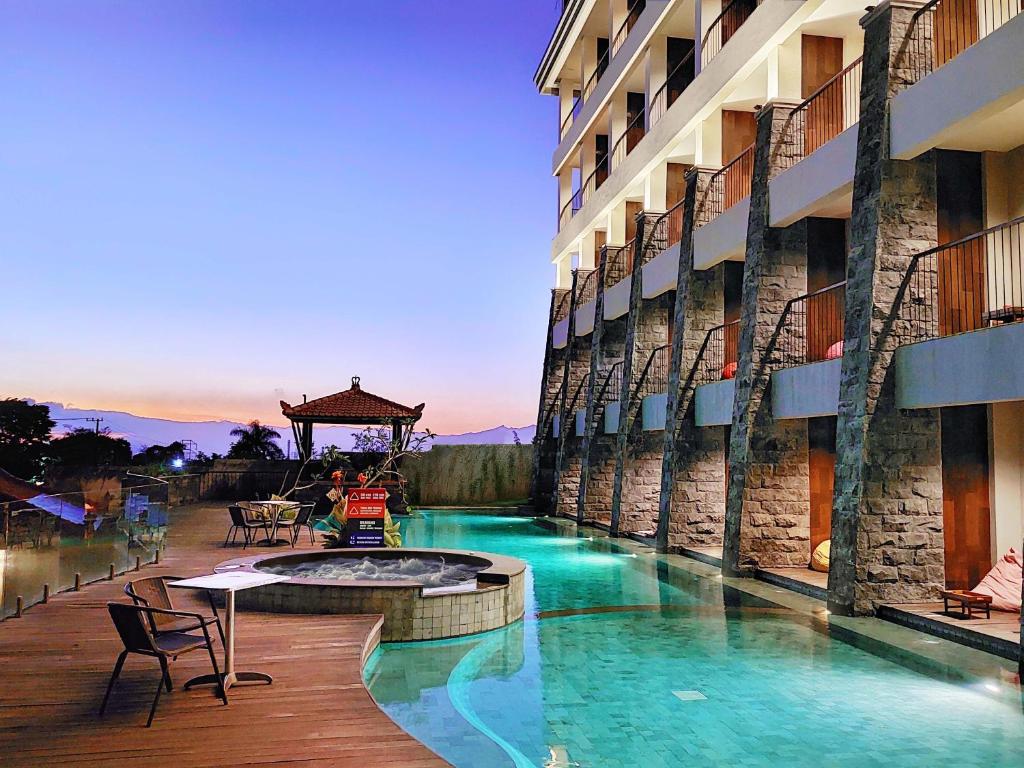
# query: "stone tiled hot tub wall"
408 613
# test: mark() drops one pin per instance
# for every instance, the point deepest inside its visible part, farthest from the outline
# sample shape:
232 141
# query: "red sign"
367 503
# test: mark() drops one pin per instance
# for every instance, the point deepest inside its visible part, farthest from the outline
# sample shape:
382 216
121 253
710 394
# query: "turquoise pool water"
623 660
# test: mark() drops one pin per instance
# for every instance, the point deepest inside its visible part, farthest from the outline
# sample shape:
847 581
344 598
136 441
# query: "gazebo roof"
353 406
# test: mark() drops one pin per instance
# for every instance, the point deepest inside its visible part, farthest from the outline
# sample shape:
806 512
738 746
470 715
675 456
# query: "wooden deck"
55 662
999 635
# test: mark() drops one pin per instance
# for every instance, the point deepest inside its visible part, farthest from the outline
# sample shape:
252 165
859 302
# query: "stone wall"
887 507
453 475
577 369
767 507
542 482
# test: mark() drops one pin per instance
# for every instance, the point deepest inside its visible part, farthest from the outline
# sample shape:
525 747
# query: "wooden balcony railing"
719 353
653 378
618 263
813 325
943 29
822 116
628 140
724 27
586 286
579 198
727 187
678 80
973 283
632 15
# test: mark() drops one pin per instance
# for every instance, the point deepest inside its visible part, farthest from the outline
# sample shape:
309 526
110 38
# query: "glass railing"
51 543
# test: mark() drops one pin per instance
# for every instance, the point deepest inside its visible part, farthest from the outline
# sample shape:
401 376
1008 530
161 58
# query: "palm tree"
255 442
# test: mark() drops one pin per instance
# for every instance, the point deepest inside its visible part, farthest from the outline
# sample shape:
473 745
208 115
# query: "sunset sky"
210 206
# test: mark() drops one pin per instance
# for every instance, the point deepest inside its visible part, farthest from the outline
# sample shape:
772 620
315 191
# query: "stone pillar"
542 476
598 451
767 522
577 366
691 505
637 322
887 505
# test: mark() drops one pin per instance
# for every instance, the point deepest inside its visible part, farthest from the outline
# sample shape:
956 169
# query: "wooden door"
600 159
733 15
966 513
600 238
739 130
733 305
679 62
821 465
675 189
826 266
633 209
961 269
821 60
636 103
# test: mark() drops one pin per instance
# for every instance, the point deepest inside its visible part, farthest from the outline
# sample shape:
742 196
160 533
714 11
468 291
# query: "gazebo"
353 407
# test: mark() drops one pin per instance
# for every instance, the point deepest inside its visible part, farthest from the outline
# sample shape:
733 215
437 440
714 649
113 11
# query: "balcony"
963 309
678 80
587 188
724 27
586 302
819 145
715 375
651 388
578 402
560 330
660 262
811 350
963 60
628 140
617 271
607 399
722 212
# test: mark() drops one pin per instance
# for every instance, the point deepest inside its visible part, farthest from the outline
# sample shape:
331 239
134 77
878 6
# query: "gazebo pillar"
307 440
396 431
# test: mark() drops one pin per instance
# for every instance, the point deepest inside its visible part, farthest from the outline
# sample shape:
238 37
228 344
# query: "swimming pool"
625 660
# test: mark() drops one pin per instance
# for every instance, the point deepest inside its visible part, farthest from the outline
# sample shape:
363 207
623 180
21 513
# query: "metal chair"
133 624
241 520
297 523
152 592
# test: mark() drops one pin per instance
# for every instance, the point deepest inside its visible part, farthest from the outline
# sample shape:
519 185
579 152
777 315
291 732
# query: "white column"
586 256
655 71
656 189
617 225
563 272
708 149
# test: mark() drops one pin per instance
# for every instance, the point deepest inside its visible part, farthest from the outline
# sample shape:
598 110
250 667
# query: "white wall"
1007 476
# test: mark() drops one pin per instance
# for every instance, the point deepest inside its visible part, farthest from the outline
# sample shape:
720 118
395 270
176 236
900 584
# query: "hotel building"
788 286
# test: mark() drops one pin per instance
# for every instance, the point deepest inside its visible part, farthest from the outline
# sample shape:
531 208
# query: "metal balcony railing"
586 286
562 307
550 410
628 140
611 386
973 283
813 325
825 114
727 187
678 80
632 15
663 232
567 121
943 29
618 260
653 378
580 197
719 354
724 27
595 78
574 402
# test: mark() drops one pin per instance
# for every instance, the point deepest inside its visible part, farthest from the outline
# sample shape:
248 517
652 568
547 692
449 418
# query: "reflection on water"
628 661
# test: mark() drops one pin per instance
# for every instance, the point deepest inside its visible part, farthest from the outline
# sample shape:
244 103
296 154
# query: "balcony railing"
611 386
973 283
632 15
628 140
943 29
825 114
727 186
618 263
813 326
586 286
562 307
678 80
665 231
653 378
580 197
719 354
550 410
567 121
595 77
581 390
724 27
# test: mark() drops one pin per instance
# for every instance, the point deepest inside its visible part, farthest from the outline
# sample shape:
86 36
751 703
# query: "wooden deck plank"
55 662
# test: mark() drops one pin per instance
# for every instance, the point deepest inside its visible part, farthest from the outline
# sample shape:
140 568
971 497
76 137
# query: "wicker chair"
151 592
133 624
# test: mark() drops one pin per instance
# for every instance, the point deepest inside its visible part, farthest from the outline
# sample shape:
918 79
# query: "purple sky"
208 206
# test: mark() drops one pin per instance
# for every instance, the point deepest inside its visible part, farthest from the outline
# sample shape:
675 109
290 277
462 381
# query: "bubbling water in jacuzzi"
428 572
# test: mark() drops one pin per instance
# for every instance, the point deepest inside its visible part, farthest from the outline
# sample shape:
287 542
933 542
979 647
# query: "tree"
24 436
85 448
159 454
255 442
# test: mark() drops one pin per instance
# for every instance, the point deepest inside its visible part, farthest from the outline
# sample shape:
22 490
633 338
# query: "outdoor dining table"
229 583
273 510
